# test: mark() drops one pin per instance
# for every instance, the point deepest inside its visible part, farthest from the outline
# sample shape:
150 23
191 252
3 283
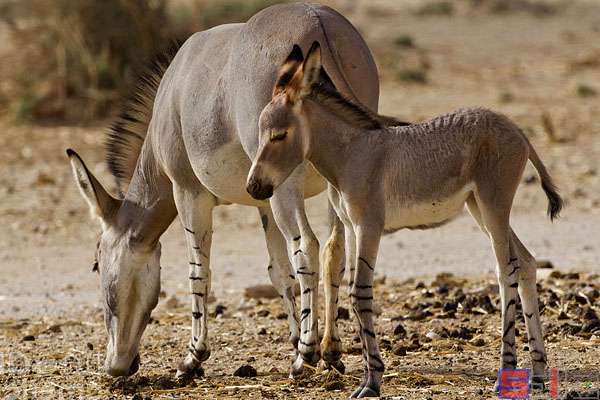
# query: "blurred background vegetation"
70 60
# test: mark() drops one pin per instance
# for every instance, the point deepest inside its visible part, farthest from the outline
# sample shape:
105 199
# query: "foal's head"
283 139
129 273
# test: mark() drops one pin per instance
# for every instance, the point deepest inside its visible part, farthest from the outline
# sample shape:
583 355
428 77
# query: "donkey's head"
129 273
283 139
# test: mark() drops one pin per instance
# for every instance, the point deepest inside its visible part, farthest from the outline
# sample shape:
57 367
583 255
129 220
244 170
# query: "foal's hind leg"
529 300
494 218
280 271
333 270
195 212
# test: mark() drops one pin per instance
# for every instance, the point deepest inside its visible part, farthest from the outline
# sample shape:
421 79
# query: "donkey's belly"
426 215
223 171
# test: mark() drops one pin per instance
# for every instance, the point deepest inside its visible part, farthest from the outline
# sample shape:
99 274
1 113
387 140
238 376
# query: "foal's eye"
281 136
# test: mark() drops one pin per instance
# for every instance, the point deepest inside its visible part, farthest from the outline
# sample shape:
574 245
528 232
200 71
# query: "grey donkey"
384 178
185 145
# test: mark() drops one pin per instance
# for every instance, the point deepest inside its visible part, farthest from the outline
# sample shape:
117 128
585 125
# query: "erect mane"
127 134
326 94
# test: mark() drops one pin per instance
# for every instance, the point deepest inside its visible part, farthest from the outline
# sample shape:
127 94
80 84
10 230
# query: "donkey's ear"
311 69
101 203
288 69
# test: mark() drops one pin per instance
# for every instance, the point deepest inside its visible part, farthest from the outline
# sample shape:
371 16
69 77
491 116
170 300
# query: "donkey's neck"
333 141
148 207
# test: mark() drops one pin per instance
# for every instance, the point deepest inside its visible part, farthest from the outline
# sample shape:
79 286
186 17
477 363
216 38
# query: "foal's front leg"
303 247
195 212
367 242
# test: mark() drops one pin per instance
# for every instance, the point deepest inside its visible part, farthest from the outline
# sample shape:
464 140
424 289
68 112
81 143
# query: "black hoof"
368 392
338 366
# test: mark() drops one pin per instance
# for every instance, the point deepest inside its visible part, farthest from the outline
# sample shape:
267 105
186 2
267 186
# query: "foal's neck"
333 141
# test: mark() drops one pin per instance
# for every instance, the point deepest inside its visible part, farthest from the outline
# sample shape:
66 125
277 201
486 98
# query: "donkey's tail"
127 133
555 202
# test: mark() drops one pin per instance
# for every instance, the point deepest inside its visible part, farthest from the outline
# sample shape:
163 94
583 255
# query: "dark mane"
325 93
126 135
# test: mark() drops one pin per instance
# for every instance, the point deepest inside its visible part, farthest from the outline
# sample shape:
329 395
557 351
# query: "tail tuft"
555 202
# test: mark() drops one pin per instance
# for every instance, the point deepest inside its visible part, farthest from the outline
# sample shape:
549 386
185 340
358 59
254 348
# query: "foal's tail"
555 202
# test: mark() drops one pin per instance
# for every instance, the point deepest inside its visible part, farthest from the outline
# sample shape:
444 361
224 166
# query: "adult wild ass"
185 145
384 178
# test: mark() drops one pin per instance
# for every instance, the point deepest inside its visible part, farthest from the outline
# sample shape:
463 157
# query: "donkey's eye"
281 136
95 267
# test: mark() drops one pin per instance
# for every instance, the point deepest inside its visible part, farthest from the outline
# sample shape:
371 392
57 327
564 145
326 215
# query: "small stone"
90 346
399 330
137 396
589 326
343 313
173 302
28 338
479 392
282 315
220 309
478 342
263 331
263 313
376 309
563 315
590 314
399 350
450 306
245 371
442 289
433 336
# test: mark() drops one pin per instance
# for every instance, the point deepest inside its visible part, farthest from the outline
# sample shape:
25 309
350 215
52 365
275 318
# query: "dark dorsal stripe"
325 93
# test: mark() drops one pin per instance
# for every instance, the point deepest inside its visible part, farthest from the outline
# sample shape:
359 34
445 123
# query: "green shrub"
436 8
404 40
412 75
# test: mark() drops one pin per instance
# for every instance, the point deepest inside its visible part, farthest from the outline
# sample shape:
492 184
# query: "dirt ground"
533 63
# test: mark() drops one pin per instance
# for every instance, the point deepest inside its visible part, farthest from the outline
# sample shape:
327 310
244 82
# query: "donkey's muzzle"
116 370
258 190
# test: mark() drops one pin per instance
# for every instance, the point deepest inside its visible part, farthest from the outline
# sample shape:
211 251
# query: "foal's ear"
101 203
288 69
310 69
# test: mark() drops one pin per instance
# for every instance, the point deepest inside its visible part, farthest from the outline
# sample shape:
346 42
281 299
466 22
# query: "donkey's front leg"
288 209
281 272
333 272
367 241
195 212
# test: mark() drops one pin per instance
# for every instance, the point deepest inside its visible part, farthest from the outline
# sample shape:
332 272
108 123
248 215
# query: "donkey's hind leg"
332 259
529 300
195 212
281 272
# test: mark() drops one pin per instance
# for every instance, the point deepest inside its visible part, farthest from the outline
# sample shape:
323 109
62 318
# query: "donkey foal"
384 178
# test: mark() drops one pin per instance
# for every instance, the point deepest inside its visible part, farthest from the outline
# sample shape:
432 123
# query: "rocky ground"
536 61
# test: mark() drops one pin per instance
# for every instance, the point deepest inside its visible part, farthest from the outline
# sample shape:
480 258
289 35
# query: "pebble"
28 338
343 313
245 371
433 336
220 309
263 313
399 350
590 314
90 346
399 330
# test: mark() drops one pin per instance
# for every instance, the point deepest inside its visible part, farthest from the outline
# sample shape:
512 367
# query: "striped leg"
529 300
333 271
195 212
362 304
287 205
281 272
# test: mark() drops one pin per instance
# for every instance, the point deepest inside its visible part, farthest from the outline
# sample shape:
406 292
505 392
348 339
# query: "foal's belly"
427 214
223 170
